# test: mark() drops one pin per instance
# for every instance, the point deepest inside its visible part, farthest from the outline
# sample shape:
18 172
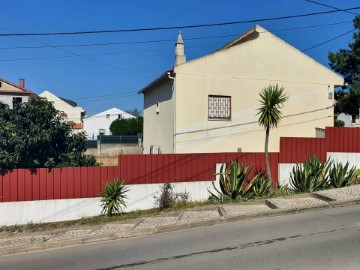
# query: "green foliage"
261 186
272 99
339 123
32 135
131 126
113 197
282 191
357 177
347 63
341 176
232 182
310 176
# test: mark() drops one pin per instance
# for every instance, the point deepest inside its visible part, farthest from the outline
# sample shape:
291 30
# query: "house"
69 110
12 94
210 104
100 123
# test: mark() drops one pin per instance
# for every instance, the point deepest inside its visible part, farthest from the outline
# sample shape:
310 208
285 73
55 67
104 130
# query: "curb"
222 219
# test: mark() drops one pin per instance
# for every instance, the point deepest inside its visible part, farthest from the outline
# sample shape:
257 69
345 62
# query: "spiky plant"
341 176
310 176
261 186
113 197
232 182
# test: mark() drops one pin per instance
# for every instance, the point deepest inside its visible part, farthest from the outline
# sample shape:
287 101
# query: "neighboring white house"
210 104
100 123
13 94
70 111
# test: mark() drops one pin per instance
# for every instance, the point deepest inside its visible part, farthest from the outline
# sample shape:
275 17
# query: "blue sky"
128 67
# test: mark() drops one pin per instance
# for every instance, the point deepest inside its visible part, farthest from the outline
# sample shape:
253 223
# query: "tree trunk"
268 171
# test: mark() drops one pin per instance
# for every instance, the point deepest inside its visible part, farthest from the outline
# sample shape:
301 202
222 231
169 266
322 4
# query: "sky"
102 71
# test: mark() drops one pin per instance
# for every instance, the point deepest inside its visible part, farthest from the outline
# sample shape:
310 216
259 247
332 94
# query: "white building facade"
100 123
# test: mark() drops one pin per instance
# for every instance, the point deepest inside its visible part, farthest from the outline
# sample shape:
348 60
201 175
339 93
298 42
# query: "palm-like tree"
272 99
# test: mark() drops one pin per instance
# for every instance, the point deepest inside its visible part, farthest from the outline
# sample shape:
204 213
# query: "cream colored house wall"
159 127
7 86
73 113
241 72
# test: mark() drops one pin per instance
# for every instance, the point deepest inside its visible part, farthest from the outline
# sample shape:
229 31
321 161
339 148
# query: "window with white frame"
219 107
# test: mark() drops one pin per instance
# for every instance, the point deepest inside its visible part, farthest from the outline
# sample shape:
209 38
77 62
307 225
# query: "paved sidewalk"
179 221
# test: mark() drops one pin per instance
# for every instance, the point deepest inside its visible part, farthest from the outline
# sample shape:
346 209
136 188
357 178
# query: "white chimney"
180 57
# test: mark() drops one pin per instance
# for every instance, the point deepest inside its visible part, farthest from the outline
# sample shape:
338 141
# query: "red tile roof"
25 90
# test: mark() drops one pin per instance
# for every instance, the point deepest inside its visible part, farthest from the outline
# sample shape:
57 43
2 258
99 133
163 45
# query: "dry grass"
98 220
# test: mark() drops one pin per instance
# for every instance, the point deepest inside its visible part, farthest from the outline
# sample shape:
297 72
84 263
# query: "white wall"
286 168
93 123
141 197
8 99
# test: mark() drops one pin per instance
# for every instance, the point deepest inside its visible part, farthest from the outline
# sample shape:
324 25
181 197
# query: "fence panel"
297 150
66 183
339 139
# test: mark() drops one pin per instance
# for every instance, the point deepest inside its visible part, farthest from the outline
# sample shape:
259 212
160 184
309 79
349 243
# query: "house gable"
8 88
261 44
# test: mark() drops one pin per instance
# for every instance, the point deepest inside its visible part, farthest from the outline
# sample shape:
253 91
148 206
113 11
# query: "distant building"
210 104
70 112
100 123
12 94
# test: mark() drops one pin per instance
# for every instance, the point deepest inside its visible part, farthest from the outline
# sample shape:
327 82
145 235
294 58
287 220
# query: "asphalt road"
318 239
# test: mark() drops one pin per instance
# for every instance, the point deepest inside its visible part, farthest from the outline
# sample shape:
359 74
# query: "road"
318 239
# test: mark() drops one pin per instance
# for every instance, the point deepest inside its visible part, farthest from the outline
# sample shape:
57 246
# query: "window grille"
219 107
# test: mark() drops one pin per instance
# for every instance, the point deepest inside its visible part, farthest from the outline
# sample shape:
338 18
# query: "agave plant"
341 176
261 185
310 176
113 197
232 182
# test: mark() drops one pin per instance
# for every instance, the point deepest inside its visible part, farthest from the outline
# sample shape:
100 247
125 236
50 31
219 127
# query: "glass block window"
219 107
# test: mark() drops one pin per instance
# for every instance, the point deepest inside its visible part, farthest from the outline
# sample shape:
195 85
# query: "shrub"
310 176
282 191
113 197
357 177
341 176
232 182
261 186
167 198
339 123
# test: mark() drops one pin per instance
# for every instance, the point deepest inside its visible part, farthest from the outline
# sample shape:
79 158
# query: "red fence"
87 182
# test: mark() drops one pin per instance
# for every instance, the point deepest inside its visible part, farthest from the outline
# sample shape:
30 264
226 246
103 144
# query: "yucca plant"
341 176
113 197
310 176
261 185
232 182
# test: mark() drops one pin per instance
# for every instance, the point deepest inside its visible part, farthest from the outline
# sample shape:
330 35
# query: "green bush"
282 191
131 126
341 176
310 176
261 186
233 183
113 197
339 123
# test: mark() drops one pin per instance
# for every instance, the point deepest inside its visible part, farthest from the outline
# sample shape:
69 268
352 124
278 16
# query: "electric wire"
165 40
179 27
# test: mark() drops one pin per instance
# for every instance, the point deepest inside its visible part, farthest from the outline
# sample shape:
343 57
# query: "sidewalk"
178 221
